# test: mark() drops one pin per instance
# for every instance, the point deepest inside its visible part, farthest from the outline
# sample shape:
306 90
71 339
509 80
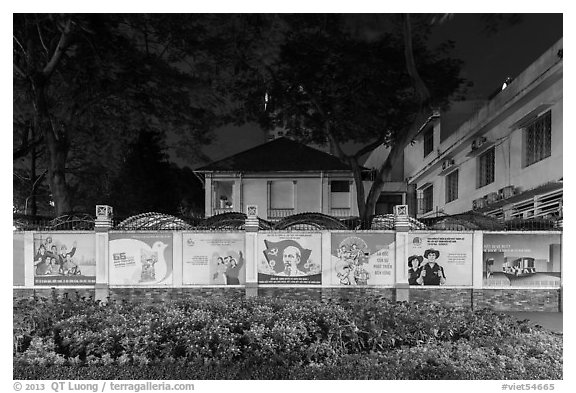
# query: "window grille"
452 186
486 168
428 141
538 139
428 199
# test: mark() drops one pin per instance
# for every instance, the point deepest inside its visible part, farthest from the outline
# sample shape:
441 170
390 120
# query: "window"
386 203
538 139
340 194
428 199
452 186
340 186
428 141
282 195
486 168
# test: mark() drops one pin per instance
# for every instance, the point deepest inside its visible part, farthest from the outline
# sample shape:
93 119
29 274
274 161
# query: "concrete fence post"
102 225
402 226
251 228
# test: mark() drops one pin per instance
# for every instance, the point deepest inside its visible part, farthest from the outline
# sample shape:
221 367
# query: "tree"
330 85
88 84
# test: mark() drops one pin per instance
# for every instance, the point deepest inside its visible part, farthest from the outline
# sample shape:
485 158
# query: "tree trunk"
33 203
57 145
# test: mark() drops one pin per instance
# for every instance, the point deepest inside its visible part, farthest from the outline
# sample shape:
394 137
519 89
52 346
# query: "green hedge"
263 338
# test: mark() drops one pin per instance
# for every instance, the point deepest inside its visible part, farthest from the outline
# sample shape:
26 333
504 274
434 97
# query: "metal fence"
298 222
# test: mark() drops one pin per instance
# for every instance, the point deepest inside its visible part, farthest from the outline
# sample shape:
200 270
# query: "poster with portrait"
359 258
522 260
289 258
64 259
139 259
439 259
214 258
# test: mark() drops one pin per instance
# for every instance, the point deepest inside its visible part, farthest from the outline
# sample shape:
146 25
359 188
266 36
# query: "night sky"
489 58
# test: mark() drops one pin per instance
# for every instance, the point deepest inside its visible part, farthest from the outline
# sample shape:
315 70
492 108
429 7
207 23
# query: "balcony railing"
219 210
275 214
341 212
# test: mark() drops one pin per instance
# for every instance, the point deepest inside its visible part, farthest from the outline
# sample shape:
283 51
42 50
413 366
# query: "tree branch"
19 71
40 36
59 51
371 146
421 90
20 45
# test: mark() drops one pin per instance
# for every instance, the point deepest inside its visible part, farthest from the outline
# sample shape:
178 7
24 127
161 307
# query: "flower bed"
262 338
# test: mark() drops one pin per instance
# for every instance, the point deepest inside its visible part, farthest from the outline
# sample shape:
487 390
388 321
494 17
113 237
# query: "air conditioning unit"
507 192
447 164
478 142
492 197
478 203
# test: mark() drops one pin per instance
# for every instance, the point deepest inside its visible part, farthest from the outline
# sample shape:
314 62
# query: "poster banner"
18 259
140 258
440 259
359 258
522 260
214 258
289 258
64 259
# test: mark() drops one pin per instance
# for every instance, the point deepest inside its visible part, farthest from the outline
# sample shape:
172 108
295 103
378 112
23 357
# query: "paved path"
548 320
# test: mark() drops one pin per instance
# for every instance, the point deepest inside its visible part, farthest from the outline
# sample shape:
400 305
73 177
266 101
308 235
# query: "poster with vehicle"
140 259
359 258
64 259
214 258
290 258
439 258
522 260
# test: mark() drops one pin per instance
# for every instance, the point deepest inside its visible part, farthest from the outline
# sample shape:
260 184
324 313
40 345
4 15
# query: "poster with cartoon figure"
289 258
213 258
64 259
362 258
522 260
439 259
140 258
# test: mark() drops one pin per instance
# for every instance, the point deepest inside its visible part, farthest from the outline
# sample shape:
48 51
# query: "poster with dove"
289 258
362 258
140 259
213 258
64 259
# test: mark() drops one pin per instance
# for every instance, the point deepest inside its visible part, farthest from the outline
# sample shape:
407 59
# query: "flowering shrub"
263 338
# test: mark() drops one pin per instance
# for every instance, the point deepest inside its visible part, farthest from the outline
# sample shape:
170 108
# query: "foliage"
87 83
262 338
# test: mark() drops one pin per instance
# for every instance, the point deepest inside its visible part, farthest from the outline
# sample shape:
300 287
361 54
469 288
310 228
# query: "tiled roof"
279 155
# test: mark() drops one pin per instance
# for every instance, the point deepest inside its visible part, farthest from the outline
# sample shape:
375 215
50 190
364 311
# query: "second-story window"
452 186
428 199
428 141
538 139
485 168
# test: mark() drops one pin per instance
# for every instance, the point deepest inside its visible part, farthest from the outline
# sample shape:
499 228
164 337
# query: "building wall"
312 191
537 90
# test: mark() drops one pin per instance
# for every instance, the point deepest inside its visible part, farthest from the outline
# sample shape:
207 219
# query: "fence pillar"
251 228
102 225
402 226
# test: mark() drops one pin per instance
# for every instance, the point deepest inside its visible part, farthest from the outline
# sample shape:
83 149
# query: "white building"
505 160
282 177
